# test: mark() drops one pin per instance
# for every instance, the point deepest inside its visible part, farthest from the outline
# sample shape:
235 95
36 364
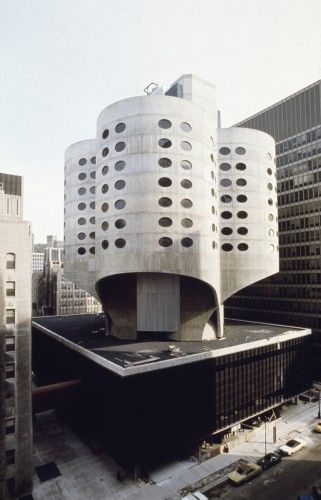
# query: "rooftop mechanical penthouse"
167 215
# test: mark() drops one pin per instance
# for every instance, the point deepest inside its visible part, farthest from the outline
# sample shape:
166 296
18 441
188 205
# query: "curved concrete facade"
160 262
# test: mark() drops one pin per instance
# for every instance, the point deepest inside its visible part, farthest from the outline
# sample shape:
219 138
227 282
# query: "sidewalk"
296 421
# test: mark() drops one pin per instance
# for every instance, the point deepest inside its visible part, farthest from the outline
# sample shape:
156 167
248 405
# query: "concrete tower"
167 215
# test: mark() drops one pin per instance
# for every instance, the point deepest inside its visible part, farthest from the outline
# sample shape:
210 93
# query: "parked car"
244 472
269 460
292 446
317 427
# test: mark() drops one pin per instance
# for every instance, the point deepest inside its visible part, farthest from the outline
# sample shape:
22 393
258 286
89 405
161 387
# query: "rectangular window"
10 288
10 426
10 344
11 261
10 317
10 457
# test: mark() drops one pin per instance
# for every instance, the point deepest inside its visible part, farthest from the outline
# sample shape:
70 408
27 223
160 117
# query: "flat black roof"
86 334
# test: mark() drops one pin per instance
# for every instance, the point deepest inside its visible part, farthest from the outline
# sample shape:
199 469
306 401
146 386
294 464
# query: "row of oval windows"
119 204
165 124
227 231
167 242
241 198
83 161
239 151
242 215
241 183
163 143
225 167
120 184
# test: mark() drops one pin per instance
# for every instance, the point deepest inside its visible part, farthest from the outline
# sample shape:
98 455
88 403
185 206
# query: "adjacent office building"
294 295
15 341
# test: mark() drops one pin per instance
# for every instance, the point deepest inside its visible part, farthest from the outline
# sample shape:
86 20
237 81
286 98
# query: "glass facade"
293 296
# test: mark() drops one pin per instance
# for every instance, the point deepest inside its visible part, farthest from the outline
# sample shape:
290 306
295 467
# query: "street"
294 475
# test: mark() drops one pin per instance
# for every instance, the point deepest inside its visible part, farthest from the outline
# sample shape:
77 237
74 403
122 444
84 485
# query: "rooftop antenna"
151 88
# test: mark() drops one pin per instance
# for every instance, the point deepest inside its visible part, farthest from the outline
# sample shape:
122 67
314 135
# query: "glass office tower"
293 296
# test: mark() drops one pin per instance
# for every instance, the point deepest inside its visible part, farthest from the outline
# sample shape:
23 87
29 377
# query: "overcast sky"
63 61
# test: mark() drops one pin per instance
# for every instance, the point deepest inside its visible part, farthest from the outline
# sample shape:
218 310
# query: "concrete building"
294 295
73 300
15 340
172 210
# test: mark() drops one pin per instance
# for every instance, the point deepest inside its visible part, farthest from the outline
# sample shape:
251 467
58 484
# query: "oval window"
242 215
186 242
93 160
119 204
105 152
81 191
120 146
186 146
93 190
164 162
269 171
120 243
81 221
186 184
226 198
165 241
104 170
164 143
186 222
242 247
186 203
227 247
186 127
225 151
104 244
120 184
92 220
92 204
186 165
240 166
120 127
82 206
226 182
92 250
120 165
226 215
82 176
93 175
241 198
104 225
104 207
92 235
120 223
270 186
164 123
242 230
165 222
82 162
165 202
164 182
81 236
240 151
226 231
225 167
241 182
105 133
81 251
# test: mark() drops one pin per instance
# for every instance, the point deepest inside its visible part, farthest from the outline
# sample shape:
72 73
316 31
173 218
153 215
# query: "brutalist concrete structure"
15 339
167 215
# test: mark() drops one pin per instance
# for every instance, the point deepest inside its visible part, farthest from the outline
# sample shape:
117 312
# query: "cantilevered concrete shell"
167 215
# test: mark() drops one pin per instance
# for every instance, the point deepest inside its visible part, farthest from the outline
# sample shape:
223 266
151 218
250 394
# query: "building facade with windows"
73 300
294 295
167 215
15 339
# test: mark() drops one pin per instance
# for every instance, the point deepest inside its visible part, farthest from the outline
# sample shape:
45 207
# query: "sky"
63 61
